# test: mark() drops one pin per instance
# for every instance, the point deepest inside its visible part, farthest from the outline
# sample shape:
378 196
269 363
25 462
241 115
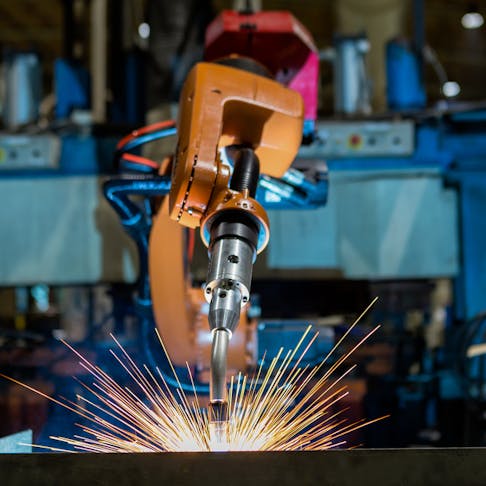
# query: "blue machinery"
453 145
450 145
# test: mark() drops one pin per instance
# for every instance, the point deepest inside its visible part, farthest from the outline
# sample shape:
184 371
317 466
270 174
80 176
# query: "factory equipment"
405 207
232 117
22 85
351 83
404 88
392 162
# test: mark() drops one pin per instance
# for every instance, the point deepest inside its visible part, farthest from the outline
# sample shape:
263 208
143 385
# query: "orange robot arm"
221 107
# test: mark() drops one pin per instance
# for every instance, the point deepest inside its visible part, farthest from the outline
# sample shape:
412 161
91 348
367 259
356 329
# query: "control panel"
339 139
29 152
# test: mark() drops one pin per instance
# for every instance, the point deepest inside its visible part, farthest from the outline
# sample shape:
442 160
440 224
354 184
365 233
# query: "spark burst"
285 407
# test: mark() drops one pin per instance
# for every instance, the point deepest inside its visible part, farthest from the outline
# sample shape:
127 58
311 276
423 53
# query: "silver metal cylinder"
230 266
224 308
227 291
351 90
219 350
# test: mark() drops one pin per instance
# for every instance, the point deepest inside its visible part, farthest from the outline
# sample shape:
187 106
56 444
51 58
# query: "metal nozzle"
218 425
219 353
218 411
229 278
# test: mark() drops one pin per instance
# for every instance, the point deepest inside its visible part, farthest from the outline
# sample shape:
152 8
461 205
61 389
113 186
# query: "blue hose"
138 224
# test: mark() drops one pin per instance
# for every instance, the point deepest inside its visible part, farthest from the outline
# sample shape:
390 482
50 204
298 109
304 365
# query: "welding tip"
218 425
218 411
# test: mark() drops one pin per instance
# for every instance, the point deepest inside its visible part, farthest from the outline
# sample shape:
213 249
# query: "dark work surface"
332 468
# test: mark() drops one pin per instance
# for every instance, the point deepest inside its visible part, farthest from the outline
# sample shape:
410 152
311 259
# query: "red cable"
143 130
191 243
140 160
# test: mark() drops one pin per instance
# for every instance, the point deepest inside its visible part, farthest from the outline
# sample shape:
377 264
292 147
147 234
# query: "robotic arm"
232 106
241 121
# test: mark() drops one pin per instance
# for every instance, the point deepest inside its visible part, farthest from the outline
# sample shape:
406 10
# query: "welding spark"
288 406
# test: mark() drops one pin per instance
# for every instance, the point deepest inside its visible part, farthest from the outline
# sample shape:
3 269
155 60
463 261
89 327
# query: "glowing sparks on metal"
286 406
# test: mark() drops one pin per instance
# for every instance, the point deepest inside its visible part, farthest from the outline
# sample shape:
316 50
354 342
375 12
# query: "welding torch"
232 252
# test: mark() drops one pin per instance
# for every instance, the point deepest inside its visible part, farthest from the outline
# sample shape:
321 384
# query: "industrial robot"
243 113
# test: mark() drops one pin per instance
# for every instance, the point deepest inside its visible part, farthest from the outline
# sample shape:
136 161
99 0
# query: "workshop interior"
219 176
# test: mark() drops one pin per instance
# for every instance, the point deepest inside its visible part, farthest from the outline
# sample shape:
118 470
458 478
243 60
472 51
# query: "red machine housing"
275 39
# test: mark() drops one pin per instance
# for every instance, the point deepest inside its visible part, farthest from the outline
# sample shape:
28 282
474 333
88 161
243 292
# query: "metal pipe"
419 33
99 9
382 20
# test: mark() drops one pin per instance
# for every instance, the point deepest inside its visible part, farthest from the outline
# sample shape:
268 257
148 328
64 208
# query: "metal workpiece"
219 352
363 467
230 266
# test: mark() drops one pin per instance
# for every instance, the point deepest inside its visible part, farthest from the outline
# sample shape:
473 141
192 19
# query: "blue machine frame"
454 144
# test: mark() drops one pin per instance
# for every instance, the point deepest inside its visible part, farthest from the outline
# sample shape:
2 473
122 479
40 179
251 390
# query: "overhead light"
144 30
451 89
472 19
